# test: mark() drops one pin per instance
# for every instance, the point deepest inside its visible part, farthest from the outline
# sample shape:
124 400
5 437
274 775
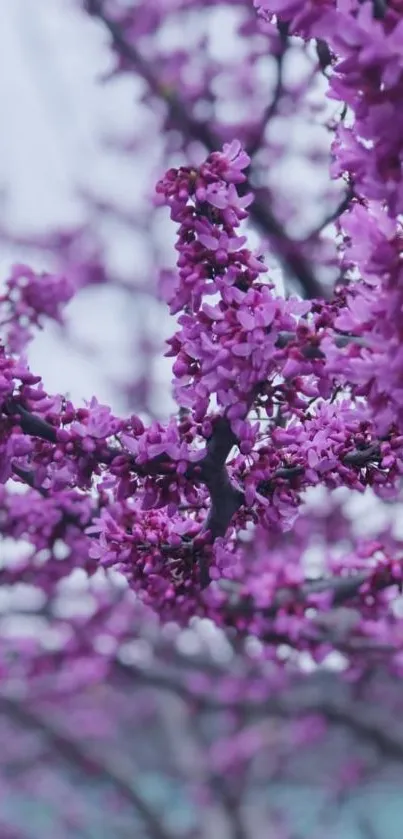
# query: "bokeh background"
61 169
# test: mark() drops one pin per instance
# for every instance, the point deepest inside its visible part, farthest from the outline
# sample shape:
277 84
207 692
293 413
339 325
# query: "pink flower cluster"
225 348
161 504
367 76
29 300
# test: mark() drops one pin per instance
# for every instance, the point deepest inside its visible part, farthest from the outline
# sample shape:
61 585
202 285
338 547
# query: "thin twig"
334 214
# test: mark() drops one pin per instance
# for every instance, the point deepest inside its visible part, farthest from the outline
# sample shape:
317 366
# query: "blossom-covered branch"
233 515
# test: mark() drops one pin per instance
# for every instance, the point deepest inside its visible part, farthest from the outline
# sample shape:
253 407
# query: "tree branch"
30 423
287 249
342 589
335 214
76 755
298 700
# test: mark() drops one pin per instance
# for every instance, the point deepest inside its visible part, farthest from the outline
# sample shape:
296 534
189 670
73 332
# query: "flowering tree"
237 507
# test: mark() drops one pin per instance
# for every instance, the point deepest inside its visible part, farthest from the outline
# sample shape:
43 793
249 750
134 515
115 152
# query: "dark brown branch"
380 7
312 350
225 499
260 213
278 90
30 423
361 457
28 478
324 55
336 213
340 589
